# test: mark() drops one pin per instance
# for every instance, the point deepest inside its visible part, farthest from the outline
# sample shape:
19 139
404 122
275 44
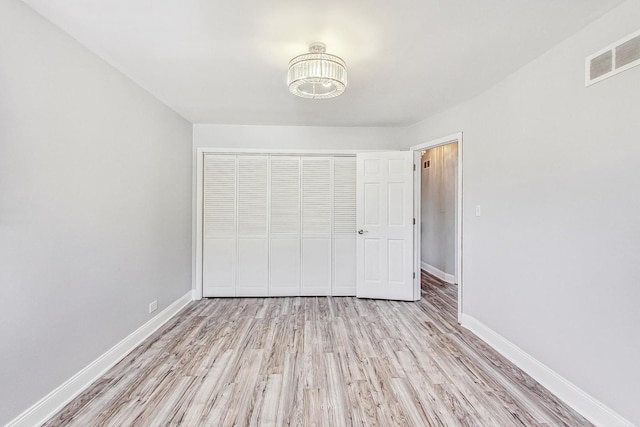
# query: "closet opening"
275 224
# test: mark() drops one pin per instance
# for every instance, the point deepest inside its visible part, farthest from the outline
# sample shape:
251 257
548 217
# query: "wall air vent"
614 59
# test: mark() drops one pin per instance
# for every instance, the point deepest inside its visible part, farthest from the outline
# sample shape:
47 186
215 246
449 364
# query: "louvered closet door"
344 227
316 225
253 232
219 240
284 242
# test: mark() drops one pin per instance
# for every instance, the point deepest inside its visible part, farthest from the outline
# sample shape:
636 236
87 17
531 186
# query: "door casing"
417 149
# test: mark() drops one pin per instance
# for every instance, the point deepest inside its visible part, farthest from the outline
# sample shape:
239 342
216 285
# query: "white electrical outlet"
153 306
478 210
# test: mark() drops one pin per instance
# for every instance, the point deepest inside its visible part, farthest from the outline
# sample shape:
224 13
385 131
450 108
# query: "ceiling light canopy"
317 75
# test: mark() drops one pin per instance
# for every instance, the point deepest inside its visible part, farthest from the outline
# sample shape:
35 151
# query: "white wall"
299 137
553 263
438 207
95 192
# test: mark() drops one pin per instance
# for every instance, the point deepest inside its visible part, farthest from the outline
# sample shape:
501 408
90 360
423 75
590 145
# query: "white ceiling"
226 61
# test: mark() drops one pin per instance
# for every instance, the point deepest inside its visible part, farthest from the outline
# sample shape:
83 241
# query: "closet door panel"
284 246
219 221
344 267
253 227
344 227
316 267
285 267
316 225
219 273
253 271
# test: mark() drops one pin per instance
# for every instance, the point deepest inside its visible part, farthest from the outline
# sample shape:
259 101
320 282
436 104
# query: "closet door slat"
344 196
285 196
252 195
316 197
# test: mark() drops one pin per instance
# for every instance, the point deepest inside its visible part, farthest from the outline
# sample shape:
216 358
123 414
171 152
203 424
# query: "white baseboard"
591 408
449 278
46 407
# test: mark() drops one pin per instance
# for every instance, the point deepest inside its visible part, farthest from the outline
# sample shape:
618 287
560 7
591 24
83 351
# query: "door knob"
362 231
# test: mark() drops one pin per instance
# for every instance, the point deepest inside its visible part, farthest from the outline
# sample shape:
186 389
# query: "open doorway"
438 213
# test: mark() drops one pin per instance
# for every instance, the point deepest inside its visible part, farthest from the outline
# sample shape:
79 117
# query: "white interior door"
384 211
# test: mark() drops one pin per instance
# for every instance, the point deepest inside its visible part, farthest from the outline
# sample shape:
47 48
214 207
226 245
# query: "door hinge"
414 274
414 167
414 221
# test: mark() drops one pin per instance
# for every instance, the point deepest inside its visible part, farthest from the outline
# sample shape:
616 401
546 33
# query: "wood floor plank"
290 406
206 392
304 361
389 409
412 405
339 415
363 403
267 412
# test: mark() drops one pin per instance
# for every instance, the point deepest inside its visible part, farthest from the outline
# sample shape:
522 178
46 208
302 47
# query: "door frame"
417 183
198 188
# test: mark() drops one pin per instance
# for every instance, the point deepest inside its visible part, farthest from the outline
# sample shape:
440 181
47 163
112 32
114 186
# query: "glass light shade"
317 75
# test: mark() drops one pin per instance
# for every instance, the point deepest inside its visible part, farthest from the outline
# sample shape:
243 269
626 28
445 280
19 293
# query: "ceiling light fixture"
317 75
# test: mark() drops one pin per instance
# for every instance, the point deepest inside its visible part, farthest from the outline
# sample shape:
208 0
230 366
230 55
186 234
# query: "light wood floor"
316 361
